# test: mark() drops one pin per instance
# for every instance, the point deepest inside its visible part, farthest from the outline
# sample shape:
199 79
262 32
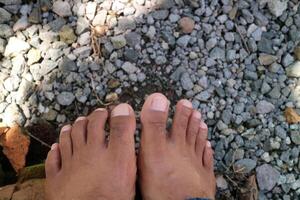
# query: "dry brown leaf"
15 146
250 191
291 116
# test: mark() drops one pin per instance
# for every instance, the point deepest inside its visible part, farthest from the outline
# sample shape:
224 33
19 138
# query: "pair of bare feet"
176 165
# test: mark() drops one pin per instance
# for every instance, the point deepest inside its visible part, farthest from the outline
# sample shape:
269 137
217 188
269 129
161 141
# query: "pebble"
16 46
100 18
62 8
264 107
4 16
277 7
187 25
33 56
90 10
67 35
65 98
186 82
118 41
221 182
295 136
293 70
67 65
183 41
266 177
217 53
21 24
266 59
244 165
129 67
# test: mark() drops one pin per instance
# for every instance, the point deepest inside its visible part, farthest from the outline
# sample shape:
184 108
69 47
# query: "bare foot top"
177 165
84 167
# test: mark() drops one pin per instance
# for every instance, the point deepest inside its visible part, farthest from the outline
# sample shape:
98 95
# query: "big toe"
154 117
122 129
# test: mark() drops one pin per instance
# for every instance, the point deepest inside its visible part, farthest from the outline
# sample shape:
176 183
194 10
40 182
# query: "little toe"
183 112
53 161
193 129
154 117
96 126
65 145
122 128
201 141
78 133
208 157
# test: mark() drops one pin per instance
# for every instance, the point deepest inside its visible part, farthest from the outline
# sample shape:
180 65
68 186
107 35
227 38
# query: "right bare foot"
177 165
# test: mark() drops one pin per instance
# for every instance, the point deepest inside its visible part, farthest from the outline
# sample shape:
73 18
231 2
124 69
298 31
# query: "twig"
243 40
39 140
97 97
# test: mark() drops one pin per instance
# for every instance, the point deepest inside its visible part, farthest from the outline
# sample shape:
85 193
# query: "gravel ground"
236 60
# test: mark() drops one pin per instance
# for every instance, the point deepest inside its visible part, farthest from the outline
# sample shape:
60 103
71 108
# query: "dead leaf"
15 146
250 191
291 116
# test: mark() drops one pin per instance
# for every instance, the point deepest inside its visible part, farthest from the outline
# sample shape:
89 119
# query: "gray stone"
266 177
275 92
133 38
265 88
129 67
67 65
2 45
211 43
126 23
82 25
277 7
245 165
21 24
118 41
239 108
160 14
151 32
264 107
160 60
5 31
265 46
65 98
229 36
4 16
250 75
293 70
169 38
183 41
131 55
295 136
47 66
62 8
178 73
230 55
11 2
90 10
186 82
217 53
203 96
25 89
287 60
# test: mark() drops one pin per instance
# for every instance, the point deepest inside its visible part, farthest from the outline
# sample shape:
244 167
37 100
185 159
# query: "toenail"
54 146
121 110
187 103
208 144
159 103
100 110
203 125
197 115
80 119
66 128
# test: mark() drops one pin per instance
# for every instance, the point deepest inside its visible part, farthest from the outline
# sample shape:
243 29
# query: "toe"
122 128
201 141
193 129
183 112
78 133
154 117
65 145
53 161
208 157
96 126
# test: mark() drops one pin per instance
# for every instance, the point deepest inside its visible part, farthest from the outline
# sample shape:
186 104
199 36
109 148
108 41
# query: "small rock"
4 16
287 60
297 52
62 8
2 45
15 46
45 5
33 56
217 53
203 96
187 24
267 177
183 41
151 32
100 18
112 97
5 31
90 10
67 35
129 68
221 183
160 60
229 36
293 70
67 65
264 107
245 165
35 16
186 82
131 55
295 136
133 38
277 7
65 98
118 41
21 24
266 59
